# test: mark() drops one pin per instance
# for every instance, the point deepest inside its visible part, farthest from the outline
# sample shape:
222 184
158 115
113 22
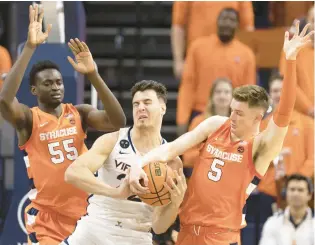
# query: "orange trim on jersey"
251 164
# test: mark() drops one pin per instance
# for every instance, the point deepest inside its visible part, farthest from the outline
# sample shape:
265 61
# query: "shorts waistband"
200 230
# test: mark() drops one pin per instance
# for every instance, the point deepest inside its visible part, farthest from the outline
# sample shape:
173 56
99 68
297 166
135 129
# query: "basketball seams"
157 194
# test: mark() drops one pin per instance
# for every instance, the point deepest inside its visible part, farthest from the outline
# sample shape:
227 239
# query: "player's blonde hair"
254 95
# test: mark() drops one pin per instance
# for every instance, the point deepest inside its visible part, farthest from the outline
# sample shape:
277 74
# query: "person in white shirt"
294 226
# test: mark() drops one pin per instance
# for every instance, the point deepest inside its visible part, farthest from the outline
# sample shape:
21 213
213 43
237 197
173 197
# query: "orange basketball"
157 174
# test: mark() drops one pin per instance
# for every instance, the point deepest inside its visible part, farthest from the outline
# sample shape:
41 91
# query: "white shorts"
95 231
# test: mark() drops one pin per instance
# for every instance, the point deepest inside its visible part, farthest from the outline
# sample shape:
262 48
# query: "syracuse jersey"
53 145
222 179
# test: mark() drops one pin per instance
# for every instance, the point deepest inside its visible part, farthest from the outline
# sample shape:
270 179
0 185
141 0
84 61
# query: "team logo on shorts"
240 149
124 144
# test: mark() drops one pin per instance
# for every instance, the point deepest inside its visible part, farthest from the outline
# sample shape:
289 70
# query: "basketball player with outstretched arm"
52 134
111 220
233 159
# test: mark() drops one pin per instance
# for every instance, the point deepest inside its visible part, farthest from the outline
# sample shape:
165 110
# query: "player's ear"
33 90
163 108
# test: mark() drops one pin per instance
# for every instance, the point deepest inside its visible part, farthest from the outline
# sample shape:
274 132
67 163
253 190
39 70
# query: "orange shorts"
199 235
47 228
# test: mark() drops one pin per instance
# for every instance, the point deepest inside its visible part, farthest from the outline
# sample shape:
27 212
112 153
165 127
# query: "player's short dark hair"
143 85
231 10
299 177
254 95
274 77
40 66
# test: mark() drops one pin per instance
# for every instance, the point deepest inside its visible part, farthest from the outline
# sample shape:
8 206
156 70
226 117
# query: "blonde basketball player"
233 159
109 219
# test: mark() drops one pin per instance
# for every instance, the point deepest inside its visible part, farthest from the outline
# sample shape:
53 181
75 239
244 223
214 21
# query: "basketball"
157 174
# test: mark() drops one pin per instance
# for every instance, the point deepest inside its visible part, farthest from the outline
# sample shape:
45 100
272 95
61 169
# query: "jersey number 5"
57 155
215 172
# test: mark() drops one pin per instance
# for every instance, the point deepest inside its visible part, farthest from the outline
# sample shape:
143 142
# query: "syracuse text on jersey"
58 133
224 155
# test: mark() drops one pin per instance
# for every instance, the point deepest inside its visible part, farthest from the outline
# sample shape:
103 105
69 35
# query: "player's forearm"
284 111
15 76
112 107
162 154
167 217
178 43
84 179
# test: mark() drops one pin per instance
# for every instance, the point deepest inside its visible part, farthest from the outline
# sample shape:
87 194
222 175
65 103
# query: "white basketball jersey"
133 212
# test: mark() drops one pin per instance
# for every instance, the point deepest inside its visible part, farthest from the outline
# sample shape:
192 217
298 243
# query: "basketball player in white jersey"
111 220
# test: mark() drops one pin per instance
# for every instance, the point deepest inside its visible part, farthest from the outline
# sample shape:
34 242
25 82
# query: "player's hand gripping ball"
157 173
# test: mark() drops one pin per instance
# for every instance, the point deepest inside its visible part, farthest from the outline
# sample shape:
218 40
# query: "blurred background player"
52 134
233 150
117 221
296 224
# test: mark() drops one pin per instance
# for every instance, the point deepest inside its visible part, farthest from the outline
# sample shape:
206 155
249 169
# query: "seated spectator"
218 104
294 226
192 20
297 155
208 58
304 71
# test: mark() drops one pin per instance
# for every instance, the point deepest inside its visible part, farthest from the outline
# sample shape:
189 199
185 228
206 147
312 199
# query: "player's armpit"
267 146
81 172
169 151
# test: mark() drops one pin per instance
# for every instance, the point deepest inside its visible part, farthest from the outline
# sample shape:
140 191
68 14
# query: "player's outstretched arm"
269 143
17 114
165 216
113 116
169 151
81 172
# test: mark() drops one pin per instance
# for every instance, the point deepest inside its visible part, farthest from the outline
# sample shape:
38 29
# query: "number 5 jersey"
222 179
53 145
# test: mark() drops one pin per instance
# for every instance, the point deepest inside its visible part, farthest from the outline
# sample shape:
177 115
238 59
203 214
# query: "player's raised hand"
84 60
178 190
35 34
297 42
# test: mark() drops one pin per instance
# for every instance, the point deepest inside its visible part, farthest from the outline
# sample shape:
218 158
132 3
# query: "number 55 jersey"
53 145
222 179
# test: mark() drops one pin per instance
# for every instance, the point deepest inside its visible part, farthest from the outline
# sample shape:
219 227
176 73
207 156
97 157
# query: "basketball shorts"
47 228
97 231
198 235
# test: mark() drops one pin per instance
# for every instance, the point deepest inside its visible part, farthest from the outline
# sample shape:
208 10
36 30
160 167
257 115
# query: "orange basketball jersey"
222 179
53 145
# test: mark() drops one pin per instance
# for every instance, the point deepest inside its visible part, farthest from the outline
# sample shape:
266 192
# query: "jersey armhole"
251 164
81 120
34 123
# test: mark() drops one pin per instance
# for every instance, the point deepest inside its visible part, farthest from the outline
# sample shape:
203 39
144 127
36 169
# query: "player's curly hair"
254 95
143 85
40 66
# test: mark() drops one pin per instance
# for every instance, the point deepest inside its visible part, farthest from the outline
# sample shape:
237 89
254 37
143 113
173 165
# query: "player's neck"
146 139
298 214
57 111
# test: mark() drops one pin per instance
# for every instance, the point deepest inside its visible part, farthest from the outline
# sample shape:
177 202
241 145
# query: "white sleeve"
268 235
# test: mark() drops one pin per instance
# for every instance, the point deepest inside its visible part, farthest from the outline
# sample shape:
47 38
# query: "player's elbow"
70 174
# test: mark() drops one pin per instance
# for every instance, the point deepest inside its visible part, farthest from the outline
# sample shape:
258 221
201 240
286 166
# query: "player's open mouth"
143 117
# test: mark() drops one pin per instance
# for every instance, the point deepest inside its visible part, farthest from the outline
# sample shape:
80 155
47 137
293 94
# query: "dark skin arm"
112 117
17 114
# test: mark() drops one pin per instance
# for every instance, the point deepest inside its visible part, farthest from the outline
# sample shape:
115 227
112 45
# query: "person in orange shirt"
219 55
297 154
234 158
192 20
218 104
52 134
305 74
